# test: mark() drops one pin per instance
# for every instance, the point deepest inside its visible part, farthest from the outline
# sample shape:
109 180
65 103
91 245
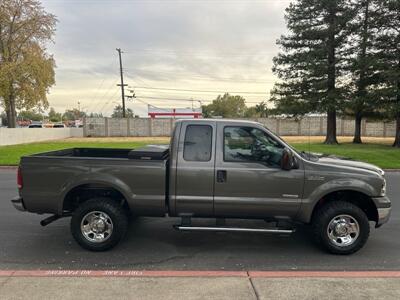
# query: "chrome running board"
233 229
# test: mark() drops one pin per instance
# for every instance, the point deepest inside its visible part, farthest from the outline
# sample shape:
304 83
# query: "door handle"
221 176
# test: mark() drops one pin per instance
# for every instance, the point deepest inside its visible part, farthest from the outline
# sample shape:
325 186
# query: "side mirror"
288 160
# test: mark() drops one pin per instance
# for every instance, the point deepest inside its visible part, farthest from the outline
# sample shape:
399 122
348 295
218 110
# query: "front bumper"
384 207
18 203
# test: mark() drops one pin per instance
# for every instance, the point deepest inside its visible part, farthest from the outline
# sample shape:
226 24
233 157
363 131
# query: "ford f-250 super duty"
212 169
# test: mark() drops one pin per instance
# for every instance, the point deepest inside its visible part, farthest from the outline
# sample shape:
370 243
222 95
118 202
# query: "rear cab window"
198 143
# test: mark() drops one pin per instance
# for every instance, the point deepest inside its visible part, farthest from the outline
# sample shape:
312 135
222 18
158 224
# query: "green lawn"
378 153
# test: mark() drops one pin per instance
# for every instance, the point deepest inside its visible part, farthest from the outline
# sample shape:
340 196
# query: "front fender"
95 178
341 184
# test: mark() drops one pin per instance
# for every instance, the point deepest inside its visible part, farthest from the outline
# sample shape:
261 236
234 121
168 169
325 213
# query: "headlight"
383 190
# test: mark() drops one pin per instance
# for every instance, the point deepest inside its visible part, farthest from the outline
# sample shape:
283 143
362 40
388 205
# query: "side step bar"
234 229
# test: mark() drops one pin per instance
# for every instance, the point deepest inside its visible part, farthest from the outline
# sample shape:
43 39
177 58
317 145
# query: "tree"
54 116
95 115
26 69
73 114
362 63
262 109
30 115
3 119
226 106
117 113
251 112
310 61
388 56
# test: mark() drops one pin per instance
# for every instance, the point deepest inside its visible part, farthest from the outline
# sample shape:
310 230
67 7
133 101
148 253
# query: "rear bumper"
384 207
18 203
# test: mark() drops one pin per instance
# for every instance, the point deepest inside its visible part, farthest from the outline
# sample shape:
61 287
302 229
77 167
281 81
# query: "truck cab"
232 169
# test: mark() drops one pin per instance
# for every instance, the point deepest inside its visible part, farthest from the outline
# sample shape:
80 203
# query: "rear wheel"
341 227
99 224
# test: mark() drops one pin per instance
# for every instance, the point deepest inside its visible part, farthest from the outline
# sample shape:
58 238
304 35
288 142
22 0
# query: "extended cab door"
195 169
249 181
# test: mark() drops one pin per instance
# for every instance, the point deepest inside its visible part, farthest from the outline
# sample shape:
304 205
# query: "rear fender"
96 178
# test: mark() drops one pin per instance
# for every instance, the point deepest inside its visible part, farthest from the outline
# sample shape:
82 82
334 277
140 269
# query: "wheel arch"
360 199
85 190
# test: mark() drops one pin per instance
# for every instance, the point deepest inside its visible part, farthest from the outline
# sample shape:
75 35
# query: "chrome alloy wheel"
96 226
343 230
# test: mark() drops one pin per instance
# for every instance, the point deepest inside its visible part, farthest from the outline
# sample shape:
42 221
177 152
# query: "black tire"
324 215
112 209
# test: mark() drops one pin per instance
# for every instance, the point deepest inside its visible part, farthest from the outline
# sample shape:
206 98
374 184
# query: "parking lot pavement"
152 244
198 288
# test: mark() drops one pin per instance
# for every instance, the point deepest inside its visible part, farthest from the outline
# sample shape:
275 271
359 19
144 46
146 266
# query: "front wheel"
341 227
99 224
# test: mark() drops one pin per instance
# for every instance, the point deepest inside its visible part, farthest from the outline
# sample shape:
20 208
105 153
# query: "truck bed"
140 175
151 152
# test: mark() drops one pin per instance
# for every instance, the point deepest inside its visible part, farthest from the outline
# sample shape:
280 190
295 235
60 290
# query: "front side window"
249 144
198 143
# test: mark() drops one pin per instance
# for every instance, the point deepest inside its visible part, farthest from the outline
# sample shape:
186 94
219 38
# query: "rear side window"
198 142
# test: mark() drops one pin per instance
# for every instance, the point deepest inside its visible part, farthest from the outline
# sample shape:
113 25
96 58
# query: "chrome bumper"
18 203
384 207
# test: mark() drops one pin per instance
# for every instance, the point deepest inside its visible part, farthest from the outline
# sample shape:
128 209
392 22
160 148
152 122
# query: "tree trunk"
357 131
397 139
361 93
331 84
8 114
11 113
331 128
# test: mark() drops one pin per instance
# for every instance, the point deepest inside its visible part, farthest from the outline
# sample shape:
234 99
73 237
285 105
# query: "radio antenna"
309 136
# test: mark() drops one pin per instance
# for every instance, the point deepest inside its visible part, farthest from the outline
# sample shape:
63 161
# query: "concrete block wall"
374 129
14 136
139 127
95 127
118 127
303 126
310 126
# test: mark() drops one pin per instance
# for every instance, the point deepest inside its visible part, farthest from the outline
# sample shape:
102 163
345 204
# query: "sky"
204 47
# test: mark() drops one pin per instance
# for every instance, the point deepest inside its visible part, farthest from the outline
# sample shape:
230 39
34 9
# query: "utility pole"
122 85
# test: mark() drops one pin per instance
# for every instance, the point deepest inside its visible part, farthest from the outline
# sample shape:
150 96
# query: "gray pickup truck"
218 169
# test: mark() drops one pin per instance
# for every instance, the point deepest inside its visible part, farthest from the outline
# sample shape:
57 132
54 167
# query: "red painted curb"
250 274
8 167
123 273
331 274
5 273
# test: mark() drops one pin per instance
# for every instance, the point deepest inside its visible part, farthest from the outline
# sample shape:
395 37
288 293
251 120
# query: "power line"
106 92
149 104
199 91
109 101
196 53
211 78
187 100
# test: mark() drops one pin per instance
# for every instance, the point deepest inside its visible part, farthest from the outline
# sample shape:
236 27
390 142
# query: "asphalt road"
152 244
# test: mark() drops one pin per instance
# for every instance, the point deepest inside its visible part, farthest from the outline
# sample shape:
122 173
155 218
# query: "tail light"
20 182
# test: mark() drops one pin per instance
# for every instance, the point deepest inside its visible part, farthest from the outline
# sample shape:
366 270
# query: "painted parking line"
173 273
